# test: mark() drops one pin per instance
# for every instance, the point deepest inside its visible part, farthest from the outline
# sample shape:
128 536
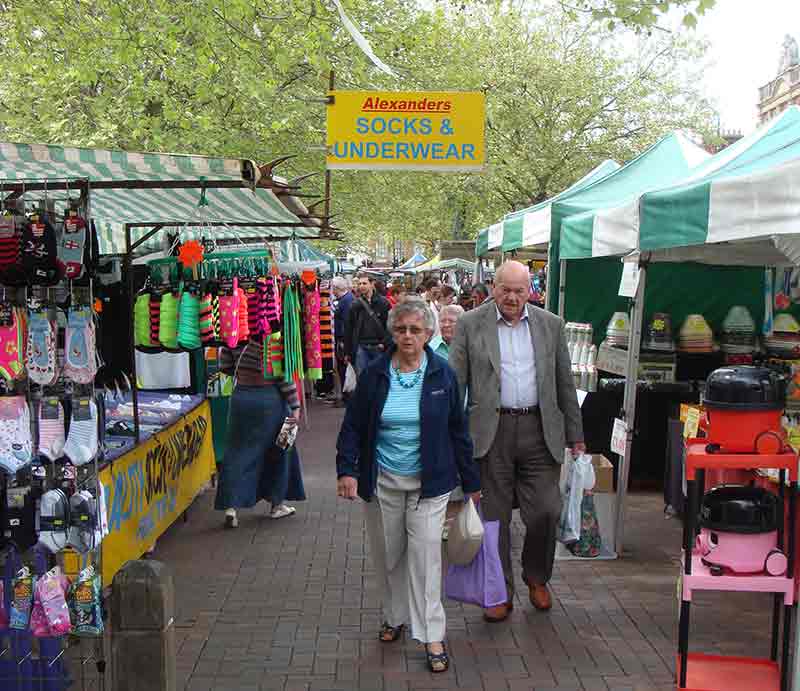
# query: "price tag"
692 423
81 409
50 408
630 280
619 437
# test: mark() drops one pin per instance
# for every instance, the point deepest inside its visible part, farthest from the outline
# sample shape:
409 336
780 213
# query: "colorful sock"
82 442
215 323
229 316
16 447
54 520
155 310
205 320
39 250
263 322
51 595
253 325
244 325
41 358
51 429
9 241
168 321
72 244
189 322
82 521
11 334
80 362
141 320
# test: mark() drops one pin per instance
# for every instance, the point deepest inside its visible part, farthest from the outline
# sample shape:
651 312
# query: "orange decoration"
191 253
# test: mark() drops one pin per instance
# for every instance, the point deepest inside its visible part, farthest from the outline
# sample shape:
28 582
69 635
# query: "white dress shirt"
517 363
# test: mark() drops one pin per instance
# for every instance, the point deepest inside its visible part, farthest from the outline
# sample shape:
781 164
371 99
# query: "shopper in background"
479 294
366 336
447 297
403 442
433 291
448 317
344 301
512 359
397 294
254 468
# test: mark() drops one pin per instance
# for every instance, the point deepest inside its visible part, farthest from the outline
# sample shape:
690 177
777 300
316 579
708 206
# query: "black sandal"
389 634
437 662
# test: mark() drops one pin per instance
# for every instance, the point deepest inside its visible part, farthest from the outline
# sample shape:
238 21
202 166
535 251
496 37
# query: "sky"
746 38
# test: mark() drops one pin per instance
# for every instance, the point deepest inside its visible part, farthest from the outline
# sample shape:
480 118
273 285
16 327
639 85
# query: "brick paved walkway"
290 605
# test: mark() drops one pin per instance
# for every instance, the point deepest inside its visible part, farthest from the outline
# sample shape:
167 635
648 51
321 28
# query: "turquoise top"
439 347
398 443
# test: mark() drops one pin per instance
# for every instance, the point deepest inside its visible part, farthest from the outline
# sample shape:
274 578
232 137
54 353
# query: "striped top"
398 443
247 363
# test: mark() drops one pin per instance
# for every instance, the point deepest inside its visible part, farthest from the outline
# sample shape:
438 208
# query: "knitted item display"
205 320
168 321
189 322
141 321
311 329
73 241
80 351
12 340
16 446
326 326
244 326
215 319
273 356
253 304
82 441
229 316
40 355
51 429
155 312
292 340
263 322
274 306
10 241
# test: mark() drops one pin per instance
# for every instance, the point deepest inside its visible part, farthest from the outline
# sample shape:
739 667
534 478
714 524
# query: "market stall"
91 477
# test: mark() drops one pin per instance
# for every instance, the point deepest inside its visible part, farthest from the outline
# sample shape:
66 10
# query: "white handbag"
465 536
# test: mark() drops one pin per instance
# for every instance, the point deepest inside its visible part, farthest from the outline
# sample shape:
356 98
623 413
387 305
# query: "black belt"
517 412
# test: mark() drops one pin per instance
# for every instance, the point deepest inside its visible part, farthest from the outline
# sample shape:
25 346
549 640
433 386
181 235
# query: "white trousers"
405 534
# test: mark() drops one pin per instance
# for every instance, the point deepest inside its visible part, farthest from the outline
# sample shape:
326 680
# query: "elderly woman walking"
448 318
402 445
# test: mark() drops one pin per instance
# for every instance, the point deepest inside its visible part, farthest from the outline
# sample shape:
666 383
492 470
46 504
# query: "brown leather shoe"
540 597
494 615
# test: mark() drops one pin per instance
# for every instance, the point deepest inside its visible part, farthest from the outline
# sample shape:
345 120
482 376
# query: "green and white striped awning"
113 208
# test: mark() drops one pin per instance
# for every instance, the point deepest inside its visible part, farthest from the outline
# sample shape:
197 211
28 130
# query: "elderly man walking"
512 360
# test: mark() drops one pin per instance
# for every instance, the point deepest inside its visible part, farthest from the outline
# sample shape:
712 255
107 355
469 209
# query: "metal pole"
562 286
629 405
331 79
131 309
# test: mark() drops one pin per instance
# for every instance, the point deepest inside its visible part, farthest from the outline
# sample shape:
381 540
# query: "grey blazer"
475 357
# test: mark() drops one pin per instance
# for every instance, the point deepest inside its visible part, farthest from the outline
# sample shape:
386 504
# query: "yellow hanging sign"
409 130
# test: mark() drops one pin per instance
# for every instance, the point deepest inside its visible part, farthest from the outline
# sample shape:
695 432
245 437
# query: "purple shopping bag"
481 582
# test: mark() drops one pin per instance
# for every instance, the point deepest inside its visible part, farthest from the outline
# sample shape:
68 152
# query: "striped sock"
51 429
81 446
206 326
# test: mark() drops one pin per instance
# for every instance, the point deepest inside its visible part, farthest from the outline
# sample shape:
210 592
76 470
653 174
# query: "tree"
638 14
245 79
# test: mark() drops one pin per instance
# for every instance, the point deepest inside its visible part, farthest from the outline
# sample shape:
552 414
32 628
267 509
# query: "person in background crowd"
397 294
366 336
253 467
380 287
512 359
479 294
403 441
344 301
465 300
448 316
433 291
447 297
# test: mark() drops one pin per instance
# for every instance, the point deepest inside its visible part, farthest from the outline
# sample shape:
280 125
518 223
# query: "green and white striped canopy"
517 229
113 208
668 160
740 207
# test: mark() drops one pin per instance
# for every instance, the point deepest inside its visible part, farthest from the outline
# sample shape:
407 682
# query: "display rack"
700 672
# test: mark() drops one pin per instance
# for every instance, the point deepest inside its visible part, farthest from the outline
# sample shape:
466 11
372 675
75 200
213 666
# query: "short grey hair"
454 310
339 282
412 305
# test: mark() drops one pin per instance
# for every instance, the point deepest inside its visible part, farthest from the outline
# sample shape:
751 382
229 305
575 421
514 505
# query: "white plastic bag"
580 478
465 536
350 380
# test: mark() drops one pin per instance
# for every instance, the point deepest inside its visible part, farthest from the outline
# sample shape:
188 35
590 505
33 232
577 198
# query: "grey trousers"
519 463
405 535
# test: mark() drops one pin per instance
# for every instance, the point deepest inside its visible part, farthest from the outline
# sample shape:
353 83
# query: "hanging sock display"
253 304
12 339
40 357
51 429
16 446
168 321
229 316
244 326
85 604
73 242
39 250
205 320
263 292
273 302
189 321
311 329
141 321
10 241
326 327
273 356
80 351
292 340
155 313
82 441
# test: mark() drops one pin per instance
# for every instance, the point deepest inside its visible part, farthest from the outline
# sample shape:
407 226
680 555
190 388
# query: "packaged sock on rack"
51 429
82 441
16 447
168 321
50 594
83 522
12 331
72 243
54 520
39 250
85 605
80 362
21 600
3 611
141 321
40 357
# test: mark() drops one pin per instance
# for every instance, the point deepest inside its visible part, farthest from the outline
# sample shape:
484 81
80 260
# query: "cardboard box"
603 473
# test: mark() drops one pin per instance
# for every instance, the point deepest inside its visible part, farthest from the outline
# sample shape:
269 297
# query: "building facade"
784 90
